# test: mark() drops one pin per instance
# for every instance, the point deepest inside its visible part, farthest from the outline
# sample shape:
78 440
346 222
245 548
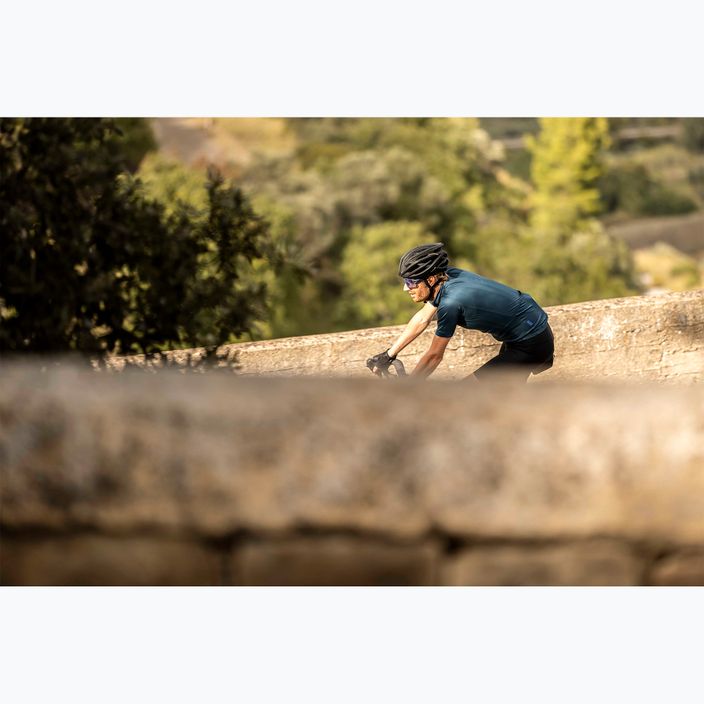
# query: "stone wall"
640 337
166 478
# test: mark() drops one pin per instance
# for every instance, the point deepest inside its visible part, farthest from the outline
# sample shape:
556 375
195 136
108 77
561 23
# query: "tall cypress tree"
566 166
572 256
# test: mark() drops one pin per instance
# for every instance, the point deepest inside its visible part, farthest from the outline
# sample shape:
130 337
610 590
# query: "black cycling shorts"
533 355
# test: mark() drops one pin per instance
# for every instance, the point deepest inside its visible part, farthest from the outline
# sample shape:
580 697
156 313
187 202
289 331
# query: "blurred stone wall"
639 337
223 479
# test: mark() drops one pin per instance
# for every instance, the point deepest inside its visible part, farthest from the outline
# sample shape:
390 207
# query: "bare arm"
416 325
430 360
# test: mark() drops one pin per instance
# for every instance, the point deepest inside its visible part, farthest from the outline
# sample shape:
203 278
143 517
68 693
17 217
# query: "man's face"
418 290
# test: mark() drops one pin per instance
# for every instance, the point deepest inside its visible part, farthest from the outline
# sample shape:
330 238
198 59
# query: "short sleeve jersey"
475 302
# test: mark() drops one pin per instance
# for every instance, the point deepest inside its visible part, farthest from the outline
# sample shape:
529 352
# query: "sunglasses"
412 283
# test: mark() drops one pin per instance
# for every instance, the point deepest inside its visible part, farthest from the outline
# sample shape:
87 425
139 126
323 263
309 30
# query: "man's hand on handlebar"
380 363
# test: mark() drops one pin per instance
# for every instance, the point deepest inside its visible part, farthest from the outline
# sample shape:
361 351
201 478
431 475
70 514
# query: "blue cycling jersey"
473 301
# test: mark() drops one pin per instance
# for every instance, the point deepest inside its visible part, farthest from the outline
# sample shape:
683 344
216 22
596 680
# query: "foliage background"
119 235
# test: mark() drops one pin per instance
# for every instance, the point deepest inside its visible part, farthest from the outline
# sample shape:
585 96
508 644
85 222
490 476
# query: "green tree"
587 265
446 173
133 139
90 264
631 188
179 187
693 134
351 174
566 167
374 293
173 184
567 254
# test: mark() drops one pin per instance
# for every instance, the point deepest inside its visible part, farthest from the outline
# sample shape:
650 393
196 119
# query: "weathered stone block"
681 569
583 564
334 561
211 455
97 560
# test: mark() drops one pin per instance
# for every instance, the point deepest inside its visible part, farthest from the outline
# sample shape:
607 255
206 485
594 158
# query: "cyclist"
463 298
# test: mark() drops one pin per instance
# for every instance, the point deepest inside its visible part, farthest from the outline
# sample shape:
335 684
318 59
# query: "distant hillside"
652 144
225 142
685 232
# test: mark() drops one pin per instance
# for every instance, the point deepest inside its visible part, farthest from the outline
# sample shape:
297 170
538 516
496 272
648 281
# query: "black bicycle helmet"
421 262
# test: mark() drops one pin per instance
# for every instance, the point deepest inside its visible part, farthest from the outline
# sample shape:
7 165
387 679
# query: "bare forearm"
413 329
427 365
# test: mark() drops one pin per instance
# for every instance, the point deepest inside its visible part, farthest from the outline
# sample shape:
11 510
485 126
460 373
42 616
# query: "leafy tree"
375 294
132 141
91 264
178 187
289 294
693 134
695 178
352 174
173 184
568 255
454 152
393 184
566 166
632 189
585 265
